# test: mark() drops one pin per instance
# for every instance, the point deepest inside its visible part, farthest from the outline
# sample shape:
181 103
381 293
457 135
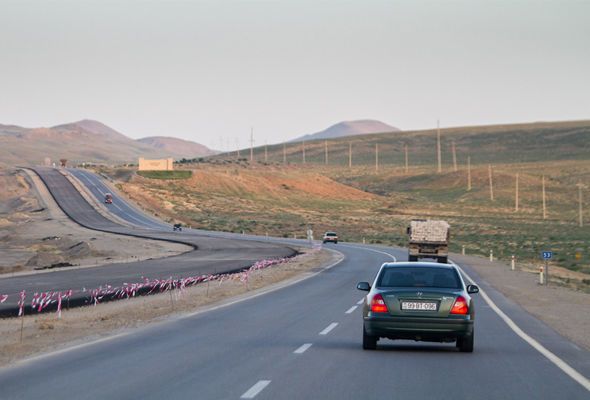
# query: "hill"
177 147
82 141
541 141
349 128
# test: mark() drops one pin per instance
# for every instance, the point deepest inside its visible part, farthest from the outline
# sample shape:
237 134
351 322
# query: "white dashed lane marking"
361 301
329 328
254 390
302 349
351 309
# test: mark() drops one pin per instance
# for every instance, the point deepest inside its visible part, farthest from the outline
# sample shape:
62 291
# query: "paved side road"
213 254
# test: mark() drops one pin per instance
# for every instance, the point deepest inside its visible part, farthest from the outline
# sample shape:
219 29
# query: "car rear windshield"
419 277
330 234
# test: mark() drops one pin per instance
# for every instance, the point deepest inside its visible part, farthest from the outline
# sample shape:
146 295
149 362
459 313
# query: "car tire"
465 344
369 342
412 258
335 242
443 260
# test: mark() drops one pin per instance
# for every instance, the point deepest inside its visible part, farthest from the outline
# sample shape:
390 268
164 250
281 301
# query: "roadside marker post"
491 255
541 275
463 250
547 255
513 263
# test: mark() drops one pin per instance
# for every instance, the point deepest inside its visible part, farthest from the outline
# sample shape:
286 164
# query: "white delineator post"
513 263
541 277
491 255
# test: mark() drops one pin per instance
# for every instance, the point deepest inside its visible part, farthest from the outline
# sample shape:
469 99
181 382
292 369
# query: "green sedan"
419 301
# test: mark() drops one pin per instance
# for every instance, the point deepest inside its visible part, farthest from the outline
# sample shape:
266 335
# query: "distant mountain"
82 141
349 128
171 145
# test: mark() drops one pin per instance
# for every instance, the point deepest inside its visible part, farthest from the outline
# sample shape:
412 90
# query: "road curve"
304 342
213 254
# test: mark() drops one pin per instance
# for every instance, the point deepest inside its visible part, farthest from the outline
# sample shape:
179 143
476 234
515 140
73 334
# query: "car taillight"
378 305
460 306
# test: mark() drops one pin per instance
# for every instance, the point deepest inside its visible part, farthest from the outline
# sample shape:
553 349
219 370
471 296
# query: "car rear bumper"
434 329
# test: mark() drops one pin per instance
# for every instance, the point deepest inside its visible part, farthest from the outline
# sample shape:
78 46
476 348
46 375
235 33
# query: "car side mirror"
472 289
363 286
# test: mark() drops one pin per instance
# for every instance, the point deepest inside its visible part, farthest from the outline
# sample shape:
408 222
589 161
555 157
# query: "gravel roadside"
562 308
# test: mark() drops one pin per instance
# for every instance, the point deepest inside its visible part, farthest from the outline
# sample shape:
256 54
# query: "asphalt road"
304 342
214 254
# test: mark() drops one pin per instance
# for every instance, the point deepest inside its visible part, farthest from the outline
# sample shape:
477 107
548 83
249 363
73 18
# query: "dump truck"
428 239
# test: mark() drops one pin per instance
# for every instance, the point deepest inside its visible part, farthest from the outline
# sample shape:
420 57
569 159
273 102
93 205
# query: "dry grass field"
362 202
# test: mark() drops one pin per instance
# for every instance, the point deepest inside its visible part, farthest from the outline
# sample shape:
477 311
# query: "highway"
214 254
304 342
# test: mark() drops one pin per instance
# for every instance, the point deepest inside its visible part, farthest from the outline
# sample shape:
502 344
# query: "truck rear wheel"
412 258
443 260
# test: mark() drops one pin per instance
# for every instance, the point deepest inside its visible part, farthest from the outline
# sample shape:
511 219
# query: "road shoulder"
563 309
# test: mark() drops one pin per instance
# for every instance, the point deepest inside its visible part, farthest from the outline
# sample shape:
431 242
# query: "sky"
210 71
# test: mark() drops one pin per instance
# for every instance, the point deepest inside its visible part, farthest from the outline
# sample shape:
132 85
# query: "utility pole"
468 173
238 147
326 151
303 150
406 151
516 195
252 144
544 201
581 221
284 153
376 157
491 182
349 155
454 157
438 155
265 151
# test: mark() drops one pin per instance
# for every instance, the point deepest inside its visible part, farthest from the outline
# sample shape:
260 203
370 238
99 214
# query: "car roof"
417 265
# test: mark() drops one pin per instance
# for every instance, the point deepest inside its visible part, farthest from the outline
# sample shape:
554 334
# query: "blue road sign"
547 255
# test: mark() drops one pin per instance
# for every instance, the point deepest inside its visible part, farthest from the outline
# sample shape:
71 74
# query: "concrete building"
156 165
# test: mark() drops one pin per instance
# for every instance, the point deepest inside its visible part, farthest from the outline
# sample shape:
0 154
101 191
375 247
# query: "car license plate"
418 305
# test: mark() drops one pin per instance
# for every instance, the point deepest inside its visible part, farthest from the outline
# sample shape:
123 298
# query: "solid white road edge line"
373 250
254 390
572 373
351 309
302 348
329 328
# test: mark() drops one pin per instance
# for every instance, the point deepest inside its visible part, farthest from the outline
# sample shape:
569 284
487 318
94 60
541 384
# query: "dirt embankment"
36 235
